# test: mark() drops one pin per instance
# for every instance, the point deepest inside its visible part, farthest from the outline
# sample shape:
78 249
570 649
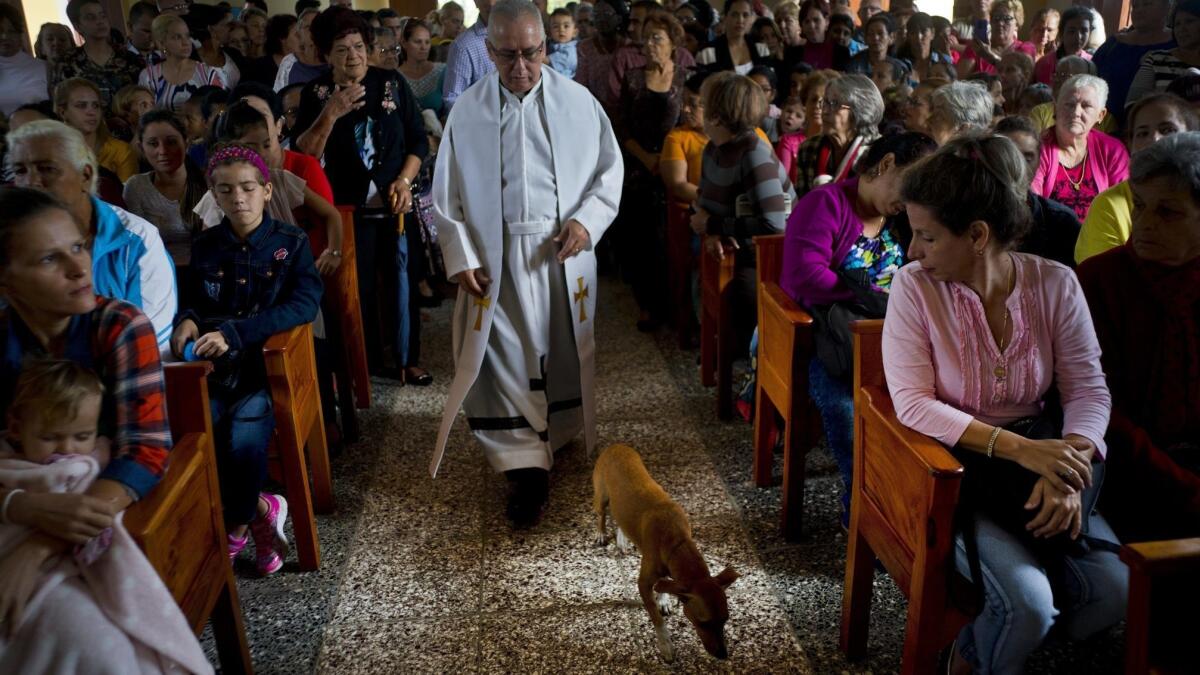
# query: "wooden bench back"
906 483
768 252
343 290
179 525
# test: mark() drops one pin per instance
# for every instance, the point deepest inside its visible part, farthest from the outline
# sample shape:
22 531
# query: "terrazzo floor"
426 576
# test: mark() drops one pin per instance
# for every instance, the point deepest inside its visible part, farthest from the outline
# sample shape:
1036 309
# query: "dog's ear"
671 586
727 577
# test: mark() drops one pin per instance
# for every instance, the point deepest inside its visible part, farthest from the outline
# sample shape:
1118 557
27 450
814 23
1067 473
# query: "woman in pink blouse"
974 338
1079 161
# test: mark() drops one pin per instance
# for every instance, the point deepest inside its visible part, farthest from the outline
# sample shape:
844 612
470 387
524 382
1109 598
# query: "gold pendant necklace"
1000 371
1082 173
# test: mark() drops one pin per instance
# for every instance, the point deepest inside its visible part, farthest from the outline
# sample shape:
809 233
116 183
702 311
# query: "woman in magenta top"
974 338
1078 161
1007 16
848 227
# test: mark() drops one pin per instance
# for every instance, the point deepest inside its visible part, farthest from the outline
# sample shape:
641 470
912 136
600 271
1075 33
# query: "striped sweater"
745 165
1158 69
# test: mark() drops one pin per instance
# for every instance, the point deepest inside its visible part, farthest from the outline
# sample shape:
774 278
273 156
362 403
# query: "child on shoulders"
561 51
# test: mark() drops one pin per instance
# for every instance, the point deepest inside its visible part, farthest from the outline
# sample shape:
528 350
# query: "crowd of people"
1019 200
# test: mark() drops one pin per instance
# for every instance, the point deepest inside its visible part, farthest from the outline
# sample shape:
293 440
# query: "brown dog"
646 515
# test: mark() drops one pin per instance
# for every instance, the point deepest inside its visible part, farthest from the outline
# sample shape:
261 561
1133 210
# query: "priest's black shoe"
527 493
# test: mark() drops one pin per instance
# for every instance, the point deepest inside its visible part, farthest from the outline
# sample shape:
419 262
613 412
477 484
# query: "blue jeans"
242 423
835 402
1019 597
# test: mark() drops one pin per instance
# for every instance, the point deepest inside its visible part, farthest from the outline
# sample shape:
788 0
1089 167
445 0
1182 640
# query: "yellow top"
685 145
1043 115
1108 222
117 156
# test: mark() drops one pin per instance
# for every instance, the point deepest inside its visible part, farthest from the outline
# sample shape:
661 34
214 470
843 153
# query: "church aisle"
423 575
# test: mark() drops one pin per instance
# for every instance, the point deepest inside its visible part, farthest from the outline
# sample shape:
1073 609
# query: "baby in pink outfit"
54 415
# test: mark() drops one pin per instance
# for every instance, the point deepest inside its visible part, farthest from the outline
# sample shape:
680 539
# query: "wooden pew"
680 264
784 350
902 511
180 525
292 377
716 328
345 324
1163 593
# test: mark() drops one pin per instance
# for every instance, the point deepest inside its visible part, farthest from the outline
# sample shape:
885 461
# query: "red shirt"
309 170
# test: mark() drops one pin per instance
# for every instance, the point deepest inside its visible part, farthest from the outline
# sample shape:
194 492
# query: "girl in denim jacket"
251 277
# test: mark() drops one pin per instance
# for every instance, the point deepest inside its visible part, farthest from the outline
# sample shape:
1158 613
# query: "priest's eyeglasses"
508 57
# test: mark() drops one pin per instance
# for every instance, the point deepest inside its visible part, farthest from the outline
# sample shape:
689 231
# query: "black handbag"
832 338
999 490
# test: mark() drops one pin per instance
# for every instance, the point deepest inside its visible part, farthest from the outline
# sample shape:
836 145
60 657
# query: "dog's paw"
665 604
601 540
665 650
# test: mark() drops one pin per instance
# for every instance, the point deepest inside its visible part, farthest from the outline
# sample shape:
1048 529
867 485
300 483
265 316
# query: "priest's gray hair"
1176 156
1078 82
509 11
68 142
963 106
861 95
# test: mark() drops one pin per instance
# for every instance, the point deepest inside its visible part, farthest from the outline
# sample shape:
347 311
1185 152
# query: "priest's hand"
573 238
473 281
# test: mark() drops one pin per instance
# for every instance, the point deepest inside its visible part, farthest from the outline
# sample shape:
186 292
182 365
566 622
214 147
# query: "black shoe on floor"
527 493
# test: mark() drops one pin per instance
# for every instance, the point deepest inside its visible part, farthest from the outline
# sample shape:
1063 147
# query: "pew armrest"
1156 558
932 456
186 460
783 307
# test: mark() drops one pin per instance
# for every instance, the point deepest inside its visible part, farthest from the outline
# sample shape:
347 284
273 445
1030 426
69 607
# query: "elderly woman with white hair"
957 108
850 114
129 261
1079 161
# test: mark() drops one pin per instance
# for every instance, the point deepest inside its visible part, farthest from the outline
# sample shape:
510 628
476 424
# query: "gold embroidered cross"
482 304
580 296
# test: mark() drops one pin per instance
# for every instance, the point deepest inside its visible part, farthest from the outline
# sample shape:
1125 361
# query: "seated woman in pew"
975 336
835 234
53 312
252 276
1145 301
1110 219
743 190
129 261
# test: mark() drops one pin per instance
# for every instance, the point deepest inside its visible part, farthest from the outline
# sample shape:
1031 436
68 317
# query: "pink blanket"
112 616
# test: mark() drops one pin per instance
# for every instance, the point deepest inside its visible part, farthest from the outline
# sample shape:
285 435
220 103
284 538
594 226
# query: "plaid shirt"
121 69
117 341
467 63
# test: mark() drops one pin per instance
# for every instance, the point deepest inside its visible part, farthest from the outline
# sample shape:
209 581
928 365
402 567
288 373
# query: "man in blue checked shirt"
468 60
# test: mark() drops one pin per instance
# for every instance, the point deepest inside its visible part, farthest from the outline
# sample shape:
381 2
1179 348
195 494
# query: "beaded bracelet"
991 446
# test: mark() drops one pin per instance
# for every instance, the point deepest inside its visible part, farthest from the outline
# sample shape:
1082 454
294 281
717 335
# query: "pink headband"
237 153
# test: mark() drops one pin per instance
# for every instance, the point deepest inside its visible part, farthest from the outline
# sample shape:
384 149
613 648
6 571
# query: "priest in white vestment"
528 178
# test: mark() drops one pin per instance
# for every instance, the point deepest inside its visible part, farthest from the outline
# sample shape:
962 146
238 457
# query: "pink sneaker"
236 545
270 541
